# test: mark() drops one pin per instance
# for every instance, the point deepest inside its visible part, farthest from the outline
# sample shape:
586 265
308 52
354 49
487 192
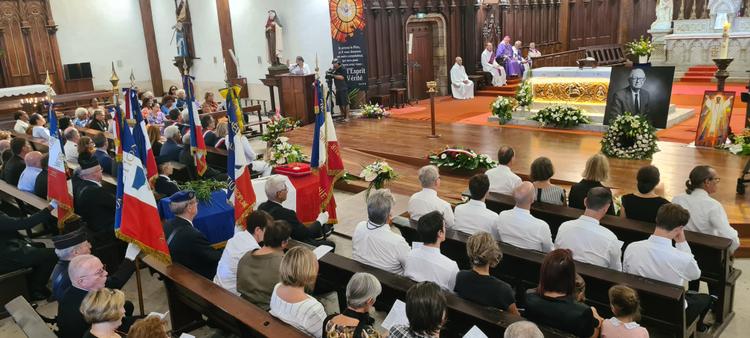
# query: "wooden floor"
405 146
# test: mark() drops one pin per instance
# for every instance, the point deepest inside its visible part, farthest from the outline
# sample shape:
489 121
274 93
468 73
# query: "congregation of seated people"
257 265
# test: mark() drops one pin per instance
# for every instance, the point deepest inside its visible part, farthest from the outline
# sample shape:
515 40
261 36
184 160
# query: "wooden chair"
383 100
398 97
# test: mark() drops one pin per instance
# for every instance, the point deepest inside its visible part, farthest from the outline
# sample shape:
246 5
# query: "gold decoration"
432 86
114 80
570 90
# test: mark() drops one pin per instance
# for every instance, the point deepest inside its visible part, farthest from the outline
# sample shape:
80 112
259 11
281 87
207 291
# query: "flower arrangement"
524 94
560 116
377 174
277 127
740 143
640 47
630 137
457 158
374 111
502 108
203 188
283 152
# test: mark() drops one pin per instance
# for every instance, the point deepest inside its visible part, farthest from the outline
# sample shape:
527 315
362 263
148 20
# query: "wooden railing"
561 59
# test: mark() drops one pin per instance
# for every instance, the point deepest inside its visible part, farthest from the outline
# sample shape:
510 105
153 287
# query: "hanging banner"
348 35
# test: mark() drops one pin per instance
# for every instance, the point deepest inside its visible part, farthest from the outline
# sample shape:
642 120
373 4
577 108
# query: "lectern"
297 97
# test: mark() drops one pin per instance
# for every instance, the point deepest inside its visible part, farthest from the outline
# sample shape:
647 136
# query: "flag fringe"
165 258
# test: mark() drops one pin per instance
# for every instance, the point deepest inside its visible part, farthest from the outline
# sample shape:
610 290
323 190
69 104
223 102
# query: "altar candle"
724 54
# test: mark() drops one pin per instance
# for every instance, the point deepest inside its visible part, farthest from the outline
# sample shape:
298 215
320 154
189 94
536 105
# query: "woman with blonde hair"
289 301
209 105
104 310
221 131
154 135
150 327
477 285
596 172
625 307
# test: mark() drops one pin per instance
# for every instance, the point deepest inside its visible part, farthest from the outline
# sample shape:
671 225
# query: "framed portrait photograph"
640 91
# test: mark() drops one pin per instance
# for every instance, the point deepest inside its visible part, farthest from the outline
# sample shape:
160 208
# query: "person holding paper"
476 284
425 310
289 302
426 263
355 320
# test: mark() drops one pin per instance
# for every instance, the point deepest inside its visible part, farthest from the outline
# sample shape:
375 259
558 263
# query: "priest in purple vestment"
505 57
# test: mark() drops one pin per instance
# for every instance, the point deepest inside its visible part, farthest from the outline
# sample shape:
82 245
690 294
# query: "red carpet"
477 110
699 74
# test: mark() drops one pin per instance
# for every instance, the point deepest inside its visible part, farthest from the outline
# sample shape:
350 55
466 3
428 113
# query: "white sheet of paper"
416 245
397 316
475 332
132 251
322 251
186 335
158 314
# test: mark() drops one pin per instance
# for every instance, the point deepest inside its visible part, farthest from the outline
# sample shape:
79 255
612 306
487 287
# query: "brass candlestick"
722 74
432 89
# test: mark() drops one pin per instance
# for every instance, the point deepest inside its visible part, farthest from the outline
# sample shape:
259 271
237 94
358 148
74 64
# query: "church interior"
373 168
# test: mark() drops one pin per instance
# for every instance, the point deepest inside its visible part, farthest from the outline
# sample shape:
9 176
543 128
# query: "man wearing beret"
187 245
18 252
93 203
72 245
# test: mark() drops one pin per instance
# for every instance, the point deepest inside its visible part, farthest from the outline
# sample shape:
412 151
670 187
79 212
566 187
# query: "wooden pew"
336 270
607 55
13 285
662 303
191 296
246 111
711 252
561 59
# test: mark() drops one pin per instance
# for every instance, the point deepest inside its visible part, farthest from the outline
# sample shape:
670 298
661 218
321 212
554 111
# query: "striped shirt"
552 195
307 315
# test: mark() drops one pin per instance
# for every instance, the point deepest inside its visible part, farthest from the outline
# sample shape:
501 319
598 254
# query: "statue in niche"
274 38
179 30
664 10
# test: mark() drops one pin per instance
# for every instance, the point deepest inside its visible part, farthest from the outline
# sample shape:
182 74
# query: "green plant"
502 108
373 111
640 47
461 158
377 173
524 94
203 188
740 143
560 116
285 153
353 98
277 127
630 137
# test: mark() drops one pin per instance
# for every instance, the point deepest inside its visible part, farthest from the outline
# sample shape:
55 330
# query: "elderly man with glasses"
633 98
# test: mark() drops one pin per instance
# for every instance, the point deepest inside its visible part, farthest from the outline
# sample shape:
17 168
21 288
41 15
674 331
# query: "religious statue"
179 30
274 38
663 15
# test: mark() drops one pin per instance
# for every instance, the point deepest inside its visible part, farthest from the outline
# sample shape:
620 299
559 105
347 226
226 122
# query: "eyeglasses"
715 179
100 273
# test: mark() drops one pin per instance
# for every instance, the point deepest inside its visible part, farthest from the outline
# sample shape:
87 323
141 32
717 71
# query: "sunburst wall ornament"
347 16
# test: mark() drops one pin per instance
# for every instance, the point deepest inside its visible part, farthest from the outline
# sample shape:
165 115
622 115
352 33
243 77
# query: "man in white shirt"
22 122
656 258
491 66
502 179
299 67
590 242
71 144
519 228
426 263
461 87
707 215
237 246
27 181
373 242
427 200
473 216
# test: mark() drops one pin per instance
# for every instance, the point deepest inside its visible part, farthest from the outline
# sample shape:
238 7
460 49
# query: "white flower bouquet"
560 116
630 137
524 94
502 108
284 153
374 111
377 174
740 143
457 158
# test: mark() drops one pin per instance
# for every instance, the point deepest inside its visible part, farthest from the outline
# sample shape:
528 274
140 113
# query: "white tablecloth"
575 72
23 90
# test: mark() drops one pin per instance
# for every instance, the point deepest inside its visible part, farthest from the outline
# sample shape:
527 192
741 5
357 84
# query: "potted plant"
642 48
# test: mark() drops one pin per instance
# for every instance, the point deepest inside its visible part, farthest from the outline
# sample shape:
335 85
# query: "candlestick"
725 41
721 74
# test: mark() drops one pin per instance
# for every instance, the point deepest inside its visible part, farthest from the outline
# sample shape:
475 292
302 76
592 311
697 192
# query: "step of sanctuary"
508 90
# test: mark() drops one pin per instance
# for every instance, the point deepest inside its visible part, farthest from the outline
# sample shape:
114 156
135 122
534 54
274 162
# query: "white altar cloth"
553 72
23 90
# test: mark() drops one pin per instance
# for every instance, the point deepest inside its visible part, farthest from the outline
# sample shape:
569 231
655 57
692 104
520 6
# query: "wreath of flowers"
560 116
283 152
630 137
524 94
461 158
374 111
502 108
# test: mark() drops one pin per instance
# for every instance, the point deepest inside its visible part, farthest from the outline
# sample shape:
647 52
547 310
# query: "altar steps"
508 90
703 74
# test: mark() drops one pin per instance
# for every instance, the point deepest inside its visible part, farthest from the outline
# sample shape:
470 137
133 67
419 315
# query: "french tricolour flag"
138 219
57 179
240 189
140 136
326 154
197 144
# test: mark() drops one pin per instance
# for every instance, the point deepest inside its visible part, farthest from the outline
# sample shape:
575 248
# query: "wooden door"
419 62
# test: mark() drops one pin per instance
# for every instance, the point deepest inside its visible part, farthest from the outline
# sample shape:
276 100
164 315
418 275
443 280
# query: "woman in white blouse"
289 302
37 124
707 215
